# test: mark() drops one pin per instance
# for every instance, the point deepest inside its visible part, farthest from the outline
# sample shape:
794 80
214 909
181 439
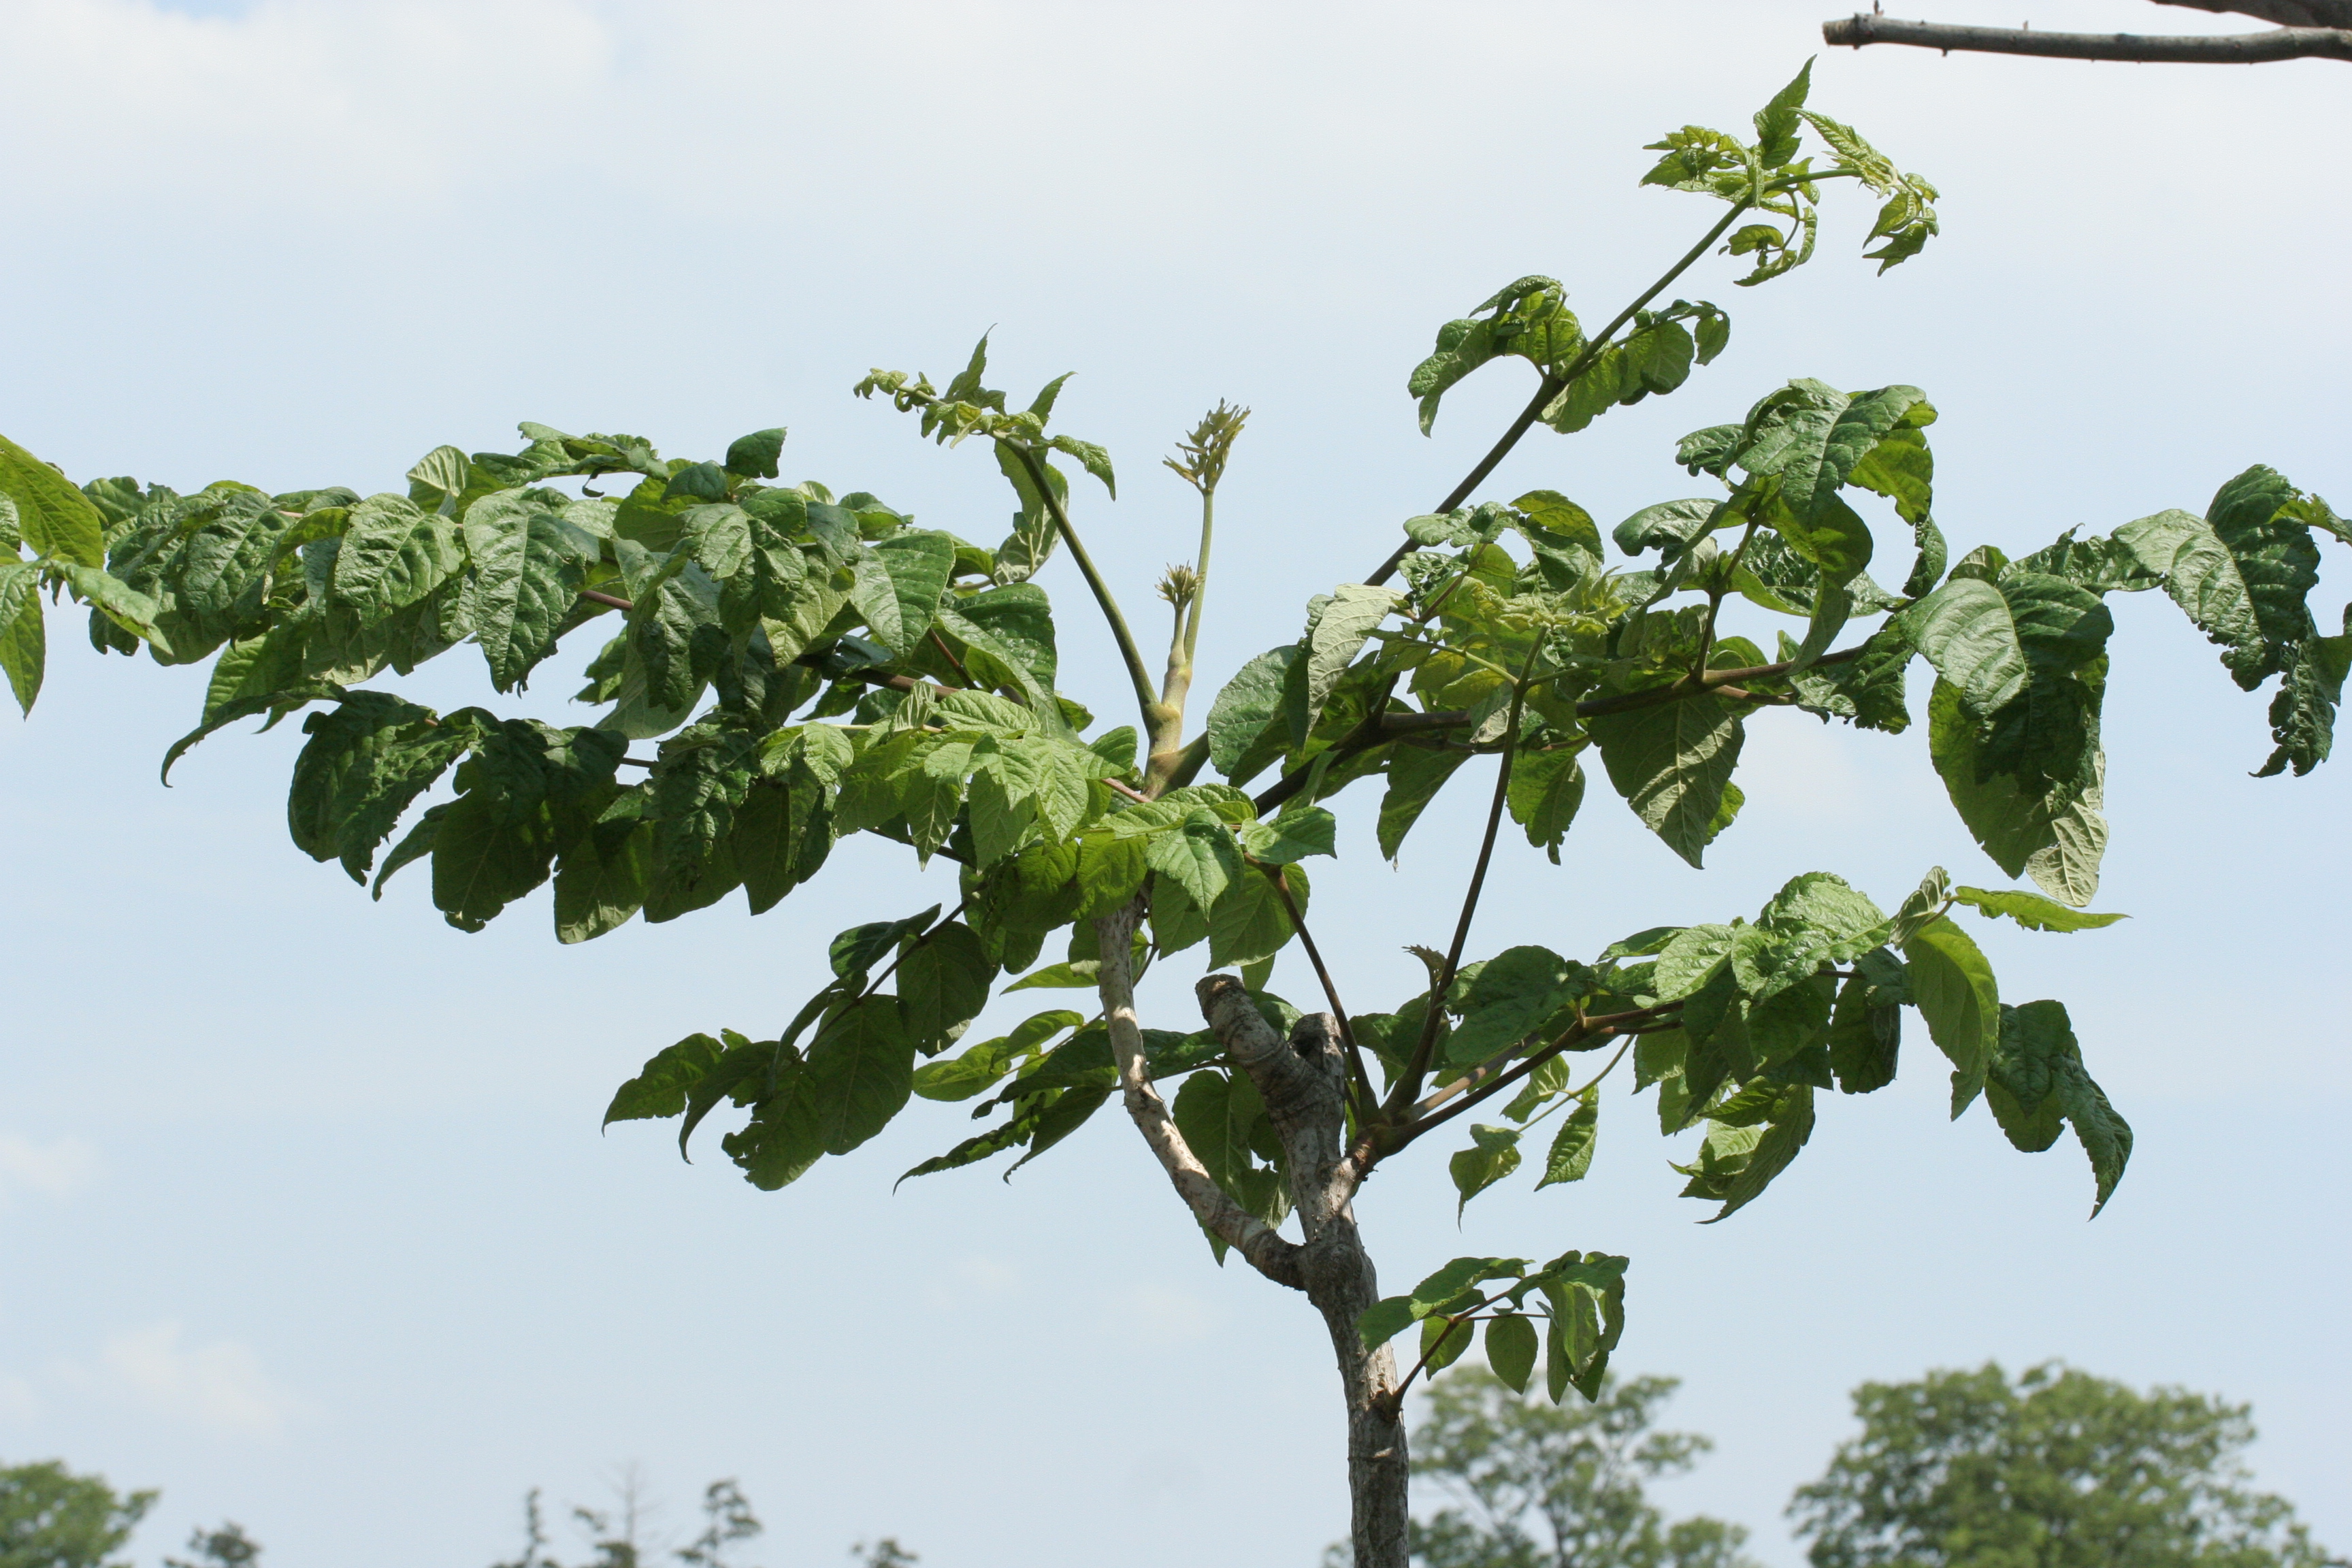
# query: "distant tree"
726 1518
619 1539
2058 1469
227 1547
884 1554
1546 1486
51 1518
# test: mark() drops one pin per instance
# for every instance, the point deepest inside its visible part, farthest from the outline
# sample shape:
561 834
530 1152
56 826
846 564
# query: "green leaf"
1673 763
1299 833
943 982
602 877
1385 1320
483 860
660 1088
1966 630
1492 1154
1443 1341
755 455
1340 634
1514 992
527 567
1415 774
1791 1128
2053 832
2241 573
1249 925
1866 1036
899 586
367 760
24 641
56 519
2302 713
1221 1117
1671 527
860 1072
2032 911
1511 1343
1250 709
1095 459
1952 985
394 554
1199 854
2037 1078
1546 787
1571 1148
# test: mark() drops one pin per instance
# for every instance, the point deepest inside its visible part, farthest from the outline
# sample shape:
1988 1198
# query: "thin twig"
1367 1101
1409 1083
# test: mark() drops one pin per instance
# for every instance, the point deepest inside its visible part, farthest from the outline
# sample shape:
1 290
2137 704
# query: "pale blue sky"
303 1212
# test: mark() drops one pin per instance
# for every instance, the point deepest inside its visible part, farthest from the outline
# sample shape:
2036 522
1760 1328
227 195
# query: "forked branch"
1266 1250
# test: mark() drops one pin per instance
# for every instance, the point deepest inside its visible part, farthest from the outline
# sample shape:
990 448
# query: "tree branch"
1553 386
2233 49
1135 669
1268 1251
1408 1083
2284 13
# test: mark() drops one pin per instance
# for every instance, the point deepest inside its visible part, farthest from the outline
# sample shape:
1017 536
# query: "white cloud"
17 1400
53 1170
219 1386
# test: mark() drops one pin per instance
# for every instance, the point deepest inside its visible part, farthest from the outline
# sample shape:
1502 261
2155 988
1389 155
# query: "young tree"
619 1537
2055 1469
1493 631
1546 1486
51 1518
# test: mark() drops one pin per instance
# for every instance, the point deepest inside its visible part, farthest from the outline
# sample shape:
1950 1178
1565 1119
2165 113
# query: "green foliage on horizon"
2055 1469
51 1518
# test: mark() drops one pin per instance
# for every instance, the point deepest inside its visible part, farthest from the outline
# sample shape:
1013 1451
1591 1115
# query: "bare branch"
2232 48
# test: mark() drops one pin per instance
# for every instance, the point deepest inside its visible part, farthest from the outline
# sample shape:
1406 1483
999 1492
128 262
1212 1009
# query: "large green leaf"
1514 992
1200 855
484 859
1966 630
394 554
24 641
1244 732
1952 985
1340 634
528 566
367 759
898 586
2241 573
943 982
2053 832
1415 774
56 519
602 879
860 1072
2037 1082
2033 912
1673 763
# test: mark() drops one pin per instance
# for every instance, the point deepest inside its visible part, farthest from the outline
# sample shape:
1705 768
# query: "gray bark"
1302 1082
2235 48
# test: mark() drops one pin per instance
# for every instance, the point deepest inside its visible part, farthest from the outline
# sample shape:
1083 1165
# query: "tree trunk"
1302 1082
